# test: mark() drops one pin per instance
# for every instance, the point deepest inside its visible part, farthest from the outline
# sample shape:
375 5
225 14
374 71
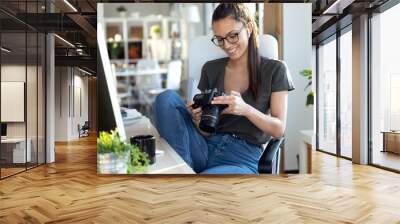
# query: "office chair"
201 50
145 84
84 129
269 162
174 75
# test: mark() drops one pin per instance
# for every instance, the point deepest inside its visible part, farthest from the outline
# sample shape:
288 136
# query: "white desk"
135 72
167 162
18 151
307 143
128 89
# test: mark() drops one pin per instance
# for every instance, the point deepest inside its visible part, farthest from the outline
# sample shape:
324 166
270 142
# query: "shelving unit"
130 39
136 39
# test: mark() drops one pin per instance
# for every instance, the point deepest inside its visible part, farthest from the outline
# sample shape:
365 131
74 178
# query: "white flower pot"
111 163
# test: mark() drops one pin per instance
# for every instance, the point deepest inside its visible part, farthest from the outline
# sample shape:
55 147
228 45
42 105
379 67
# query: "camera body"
211 112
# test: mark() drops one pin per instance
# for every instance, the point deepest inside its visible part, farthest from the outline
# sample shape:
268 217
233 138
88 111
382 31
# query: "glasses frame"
227 36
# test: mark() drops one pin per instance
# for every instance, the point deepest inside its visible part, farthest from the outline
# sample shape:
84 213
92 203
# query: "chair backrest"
144 64
148 81
174 74
269 160
86 125
202 50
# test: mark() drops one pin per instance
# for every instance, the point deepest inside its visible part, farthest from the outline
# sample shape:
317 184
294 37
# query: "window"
22 74
385 89
394 101
346 94
327 96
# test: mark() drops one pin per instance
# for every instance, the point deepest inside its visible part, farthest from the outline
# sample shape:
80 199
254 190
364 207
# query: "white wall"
16 73
61 103
146 9
297 54
70 83
110 9
50 95
313 87
33 126
79 117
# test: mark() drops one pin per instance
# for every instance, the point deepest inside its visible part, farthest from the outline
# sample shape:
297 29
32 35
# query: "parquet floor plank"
70 191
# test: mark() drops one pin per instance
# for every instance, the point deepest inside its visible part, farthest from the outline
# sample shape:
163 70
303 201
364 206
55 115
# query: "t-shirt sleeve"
203 83
282 79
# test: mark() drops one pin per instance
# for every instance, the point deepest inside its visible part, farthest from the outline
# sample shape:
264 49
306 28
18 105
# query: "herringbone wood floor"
69 191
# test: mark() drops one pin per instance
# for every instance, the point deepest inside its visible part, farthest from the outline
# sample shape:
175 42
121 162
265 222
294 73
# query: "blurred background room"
157 46
148 47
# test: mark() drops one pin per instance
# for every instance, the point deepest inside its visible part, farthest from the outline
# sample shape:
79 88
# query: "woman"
257 90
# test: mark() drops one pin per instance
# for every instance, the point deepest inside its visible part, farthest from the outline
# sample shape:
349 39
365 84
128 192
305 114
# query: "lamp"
65 41
337 7
70 5
192 14
5 49
84 71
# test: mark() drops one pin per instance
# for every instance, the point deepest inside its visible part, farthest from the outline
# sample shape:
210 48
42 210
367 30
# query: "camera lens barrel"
209 118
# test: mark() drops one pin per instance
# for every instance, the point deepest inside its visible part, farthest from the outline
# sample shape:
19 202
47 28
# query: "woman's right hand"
196 113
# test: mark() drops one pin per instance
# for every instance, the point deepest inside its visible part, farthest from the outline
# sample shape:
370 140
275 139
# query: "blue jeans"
219 154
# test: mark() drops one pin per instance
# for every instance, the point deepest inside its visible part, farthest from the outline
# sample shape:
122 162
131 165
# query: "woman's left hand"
235 102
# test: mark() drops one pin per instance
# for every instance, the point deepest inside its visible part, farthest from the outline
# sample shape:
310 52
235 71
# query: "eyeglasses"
231 38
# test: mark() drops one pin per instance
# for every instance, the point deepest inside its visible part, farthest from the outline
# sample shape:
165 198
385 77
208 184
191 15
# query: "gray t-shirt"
275 77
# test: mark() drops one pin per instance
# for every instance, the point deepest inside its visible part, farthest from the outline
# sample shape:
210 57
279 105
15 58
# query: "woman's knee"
167 99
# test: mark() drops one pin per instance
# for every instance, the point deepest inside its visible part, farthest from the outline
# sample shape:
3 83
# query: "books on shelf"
130 116
136 32
158 37
135 50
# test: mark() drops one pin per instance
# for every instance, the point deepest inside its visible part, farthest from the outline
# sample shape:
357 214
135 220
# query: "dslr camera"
211 112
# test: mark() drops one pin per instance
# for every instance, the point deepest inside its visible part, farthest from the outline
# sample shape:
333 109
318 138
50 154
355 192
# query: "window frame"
371 14
334 37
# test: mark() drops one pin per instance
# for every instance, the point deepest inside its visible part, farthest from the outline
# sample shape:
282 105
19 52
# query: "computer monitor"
109 112
3 129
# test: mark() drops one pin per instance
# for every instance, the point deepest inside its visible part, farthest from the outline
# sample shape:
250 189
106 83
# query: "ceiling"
76 23
328 16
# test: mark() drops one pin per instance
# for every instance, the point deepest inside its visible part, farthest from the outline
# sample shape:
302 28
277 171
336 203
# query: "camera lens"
209 118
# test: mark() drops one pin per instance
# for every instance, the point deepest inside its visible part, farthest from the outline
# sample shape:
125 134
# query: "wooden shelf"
134 40
136 32
118 42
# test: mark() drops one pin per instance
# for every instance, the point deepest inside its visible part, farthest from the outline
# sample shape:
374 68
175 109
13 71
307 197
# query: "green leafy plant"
121 9
139 160
257 18
110 142
307 73
116 49
155 31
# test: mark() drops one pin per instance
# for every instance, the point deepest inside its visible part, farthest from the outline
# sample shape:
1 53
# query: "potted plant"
116 157
139 160
116 47
122 10
155 31
307 73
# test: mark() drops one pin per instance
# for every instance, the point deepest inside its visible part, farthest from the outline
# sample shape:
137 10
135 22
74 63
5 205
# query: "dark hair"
241 13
